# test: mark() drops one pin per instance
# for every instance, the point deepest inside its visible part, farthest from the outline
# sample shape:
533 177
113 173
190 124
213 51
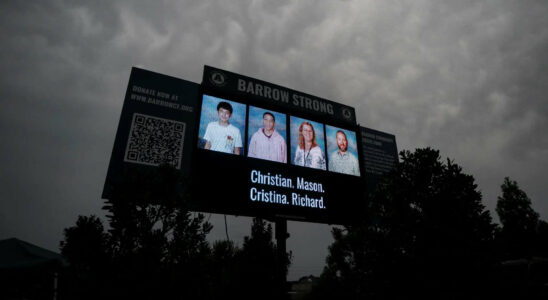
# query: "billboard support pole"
281 236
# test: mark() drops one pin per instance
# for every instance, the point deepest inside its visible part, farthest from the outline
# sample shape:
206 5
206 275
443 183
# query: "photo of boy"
220 134
268 139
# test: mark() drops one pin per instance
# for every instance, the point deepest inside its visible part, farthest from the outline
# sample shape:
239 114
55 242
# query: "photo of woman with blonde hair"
308 152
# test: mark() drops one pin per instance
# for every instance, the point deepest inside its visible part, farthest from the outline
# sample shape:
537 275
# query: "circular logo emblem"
217 78
346 113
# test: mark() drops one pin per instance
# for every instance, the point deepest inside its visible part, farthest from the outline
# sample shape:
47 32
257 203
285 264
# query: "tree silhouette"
519 221
523 245
225 269
428 235
85 247
156 248
257 264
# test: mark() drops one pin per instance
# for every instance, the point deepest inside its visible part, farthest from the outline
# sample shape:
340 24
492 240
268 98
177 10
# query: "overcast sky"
469 78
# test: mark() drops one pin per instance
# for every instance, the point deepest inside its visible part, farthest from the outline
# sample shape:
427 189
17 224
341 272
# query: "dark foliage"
428 236
523 246
156 248
224 270
257 264
520 223
86 248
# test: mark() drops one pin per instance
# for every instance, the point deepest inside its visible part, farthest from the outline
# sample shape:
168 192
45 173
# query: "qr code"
153 141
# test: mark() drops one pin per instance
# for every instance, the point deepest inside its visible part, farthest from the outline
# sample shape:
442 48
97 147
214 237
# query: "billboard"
266 150
251 147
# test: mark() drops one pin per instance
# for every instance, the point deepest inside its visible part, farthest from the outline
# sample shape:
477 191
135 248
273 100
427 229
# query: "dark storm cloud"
53 121
463 77
466 77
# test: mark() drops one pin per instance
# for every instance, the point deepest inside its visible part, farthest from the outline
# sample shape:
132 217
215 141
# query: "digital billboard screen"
264 157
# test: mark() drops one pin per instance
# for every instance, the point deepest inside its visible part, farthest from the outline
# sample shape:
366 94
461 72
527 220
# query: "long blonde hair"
301 137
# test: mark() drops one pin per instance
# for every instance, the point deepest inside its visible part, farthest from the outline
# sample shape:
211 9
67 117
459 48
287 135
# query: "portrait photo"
267 135
307 143
342 151
222 125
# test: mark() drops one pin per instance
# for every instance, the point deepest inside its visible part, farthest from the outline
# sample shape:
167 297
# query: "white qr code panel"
153 141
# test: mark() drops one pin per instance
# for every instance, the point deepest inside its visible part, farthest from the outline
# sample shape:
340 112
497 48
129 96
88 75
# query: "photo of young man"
267 142
342 160
220 134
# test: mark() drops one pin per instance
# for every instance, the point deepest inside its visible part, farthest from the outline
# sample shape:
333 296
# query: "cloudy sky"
469 78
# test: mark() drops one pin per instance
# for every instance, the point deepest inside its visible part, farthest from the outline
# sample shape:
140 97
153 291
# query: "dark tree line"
428 235
156 248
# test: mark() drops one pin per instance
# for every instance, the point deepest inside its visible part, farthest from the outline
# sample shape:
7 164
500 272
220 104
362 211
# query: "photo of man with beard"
342 160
